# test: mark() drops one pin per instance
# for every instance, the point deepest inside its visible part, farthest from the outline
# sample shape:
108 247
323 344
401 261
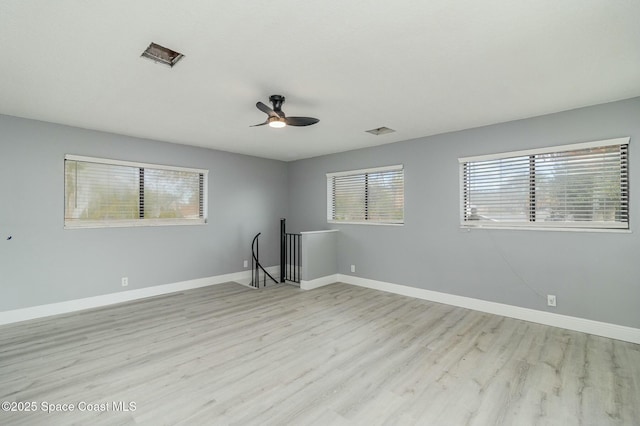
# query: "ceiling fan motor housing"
277 101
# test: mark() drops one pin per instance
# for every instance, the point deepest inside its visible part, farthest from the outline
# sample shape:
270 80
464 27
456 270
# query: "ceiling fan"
277 118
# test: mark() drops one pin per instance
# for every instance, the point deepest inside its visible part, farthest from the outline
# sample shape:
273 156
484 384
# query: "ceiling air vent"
161 54
380 131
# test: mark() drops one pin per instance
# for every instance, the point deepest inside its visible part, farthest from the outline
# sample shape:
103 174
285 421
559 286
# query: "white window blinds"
102 193
366 196
572 186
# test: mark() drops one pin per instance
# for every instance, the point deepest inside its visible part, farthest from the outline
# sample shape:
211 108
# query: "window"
573 186
104 193
366 196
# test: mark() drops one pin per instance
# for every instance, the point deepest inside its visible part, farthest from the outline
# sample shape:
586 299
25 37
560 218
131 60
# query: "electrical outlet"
246 264
125 281
353 268
551 300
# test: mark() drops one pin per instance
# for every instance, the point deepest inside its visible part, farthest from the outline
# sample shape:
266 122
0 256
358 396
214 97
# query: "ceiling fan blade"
261 124
262 107
300 121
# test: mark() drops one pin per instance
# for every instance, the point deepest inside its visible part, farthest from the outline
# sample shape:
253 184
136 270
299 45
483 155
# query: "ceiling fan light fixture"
277 122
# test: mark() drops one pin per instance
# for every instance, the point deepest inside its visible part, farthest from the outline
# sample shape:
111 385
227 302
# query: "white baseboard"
318 282
246 280
613 331
24 314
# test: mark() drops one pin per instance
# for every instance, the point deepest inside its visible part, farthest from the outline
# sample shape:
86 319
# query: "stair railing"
256 267
290 254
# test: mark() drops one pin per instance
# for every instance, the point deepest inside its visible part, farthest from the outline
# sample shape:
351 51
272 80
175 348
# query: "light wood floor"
337 355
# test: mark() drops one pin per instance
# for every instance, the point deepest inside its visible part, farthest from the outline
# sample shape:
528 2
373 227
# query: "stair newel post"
283 252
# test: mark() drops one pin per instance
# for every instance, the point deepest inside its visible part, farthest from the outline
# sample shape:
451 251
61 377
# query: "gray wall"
43 263
593 275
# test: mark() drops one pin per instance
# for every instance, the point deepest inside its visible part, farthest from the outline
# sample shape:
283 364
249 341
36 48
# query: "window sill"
553 229
133 223
337 222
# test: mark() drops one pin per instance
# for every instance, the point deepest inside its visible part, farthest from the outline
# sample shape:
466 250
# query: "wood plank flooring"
337 355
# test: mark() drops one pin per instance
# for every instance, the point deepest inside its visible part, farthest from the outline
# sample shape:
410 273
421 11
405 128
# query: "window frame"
577 226
330 199
120 223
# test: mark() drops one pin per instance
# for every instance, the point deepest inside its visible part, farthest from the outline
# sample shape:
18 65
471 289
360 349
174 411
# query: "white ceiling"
419 67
